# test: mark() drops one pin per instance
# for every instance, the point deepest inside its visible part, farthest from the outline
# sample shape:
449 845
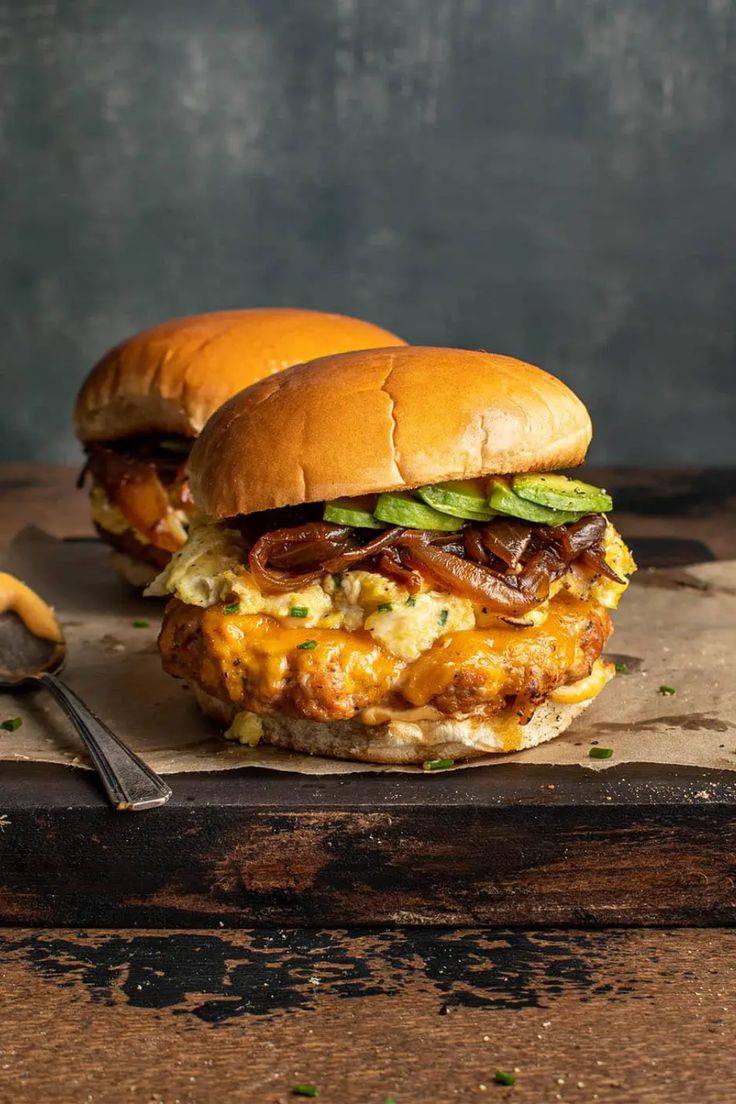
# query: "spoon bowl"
31 658
24 656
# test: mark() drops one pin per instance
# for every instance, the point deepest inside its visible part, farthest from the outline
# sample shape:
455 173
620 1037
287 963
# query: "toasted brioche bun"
402 742
169 379
380 420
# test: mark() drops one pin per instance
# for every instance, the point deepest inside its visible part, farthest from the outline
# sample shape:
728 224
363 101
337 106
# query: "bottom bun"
135 572
403 742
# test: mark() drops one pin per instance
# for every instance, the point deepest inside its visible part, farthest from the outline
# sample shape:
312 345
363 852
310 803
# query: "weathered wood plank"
419 1015
534 847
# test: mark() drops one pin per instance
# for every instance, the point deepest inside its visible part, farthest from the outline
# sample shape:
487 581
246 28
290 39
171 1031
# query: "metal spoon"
26 659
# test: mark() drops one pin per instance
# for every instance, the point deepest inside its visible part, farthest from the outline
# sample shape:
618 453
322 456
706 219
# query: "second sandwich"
143 404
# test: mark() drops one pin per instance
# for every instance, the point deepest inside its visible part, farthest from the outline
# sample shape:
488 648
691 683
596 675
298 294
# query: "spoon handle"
130 784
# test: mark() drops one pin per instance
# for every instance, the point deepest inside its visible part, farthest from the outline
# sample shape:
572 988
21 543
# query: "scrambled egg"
246 728
605 591
209 570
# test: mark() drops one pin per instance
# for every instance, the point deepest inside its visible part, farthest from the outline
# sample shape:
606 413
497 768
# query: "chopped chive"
337 580
437 764
233 608
11 724
503 1078
305 1090
389 1100
307 645
601 753
385 607
298 611
621 668
444 614
667 691
411 600
140 624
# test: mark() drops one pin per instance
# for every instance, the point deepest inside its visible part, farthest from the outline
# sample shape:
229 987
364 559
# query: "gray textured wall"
547 178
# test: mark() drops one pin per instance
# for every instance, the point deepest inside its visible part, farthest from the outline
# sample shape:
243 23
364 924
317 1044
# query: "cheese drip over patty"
211 569
111 518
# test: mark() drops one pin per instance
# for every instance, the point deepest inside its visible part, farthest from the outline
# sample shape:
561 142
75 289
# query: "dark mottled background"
550 178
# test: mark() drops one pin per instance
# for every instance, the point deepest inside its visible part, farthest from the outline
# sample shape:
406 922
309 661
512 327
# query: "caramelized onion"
531 558
575 538
595 559
473 544
365 551
300 545
508 539
500 593
583 540
389 563
540 572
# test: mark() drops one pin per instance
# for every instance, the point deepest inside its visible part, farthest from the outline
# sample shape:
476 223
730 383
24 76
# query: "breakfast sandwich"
143 404
388 565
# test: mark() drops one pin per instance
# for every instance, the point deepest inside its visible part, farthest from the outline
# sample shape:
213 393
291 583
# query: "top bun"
383 420
169 379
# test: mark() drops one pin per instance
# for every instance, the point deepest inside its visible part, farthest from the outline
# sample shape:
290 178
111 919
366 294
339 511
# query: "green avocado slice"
463 498
505 501
560 493
398 508
357 512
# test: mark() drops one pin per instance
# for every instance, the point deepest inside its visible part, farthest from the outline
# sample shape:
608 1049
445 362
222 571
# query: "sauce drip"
38 618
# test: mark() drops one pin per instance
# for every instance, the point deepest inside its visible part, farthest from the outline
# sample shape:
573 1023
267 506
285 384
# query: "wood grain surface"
44 495
422 1016
538 846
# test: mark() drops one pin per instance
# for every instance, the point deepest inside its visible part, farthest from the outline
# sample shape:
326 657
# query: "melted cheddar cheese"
258 664
586 688
480 665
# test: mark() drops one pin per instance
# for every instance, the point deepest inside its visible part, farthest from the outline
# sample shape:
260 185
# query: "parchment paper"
674 628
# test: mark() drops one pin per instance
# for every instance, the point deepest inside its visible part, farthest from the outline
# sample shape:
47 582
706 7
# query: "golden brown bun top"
382 420
169 379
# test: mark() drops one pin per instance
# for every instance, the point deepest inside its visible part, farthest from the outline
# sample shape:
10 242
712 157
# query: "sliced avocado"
357 512
505 501
398 508
560 493
463 498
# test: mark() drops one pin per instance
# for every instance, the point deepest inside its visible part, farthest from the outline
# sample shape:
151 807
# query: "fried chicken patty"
260 665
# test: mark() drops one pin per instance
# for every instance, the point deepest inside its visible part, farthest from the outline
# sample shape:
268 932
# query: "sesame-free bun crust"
381 420
170 378
402 742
